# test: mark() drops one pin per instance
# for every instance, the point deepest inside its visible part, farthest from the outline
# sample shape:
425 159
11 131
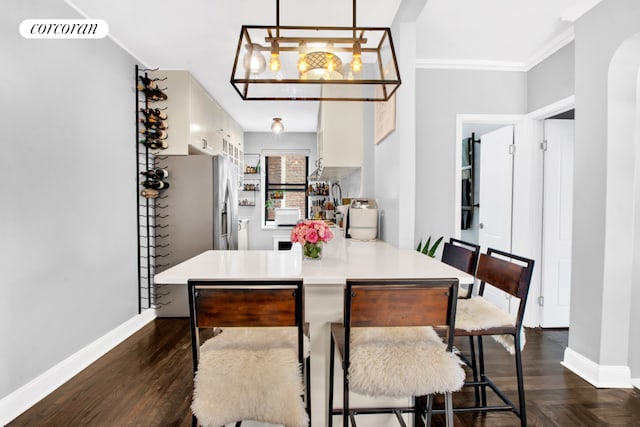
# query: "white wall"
394 179
69 185
599 34
552 79
441 95
256 142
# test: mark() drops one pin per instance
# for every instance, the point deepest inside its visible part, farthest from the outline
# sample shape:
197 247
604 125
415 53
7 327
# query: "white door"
557 223
496 183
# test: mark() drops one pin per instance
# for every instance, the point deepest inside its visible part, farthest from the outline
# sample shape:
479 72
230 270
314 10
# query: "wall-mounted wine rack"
151 176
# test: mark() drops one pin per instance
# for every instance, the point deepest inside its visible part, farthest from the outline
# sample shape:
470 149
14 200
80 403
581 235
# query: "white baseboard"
601 376
35 390
635 382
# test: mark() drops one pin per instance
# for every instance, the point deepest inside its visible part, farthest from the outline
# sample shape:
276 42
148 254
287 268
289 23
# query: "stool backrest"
461 255
507 272
245 303
401 302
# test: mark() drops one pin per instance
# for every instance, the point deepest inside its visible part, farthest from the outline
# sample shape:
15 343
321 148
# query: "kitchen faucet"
336 201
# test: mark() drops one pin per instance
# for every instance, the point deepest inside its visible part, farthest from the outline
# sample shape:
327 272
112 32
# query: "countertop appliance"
362 220
200 208
287 216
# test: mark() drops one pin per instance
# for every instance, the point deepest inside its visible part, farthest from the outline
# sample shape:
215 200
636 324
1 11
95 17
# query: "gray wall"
255 142
552 79
441 94
67 178
598 34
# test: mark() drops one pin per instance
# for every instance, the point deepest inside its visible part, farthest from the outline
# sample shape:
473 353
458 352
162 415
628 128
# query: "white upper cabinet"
196 123
340 136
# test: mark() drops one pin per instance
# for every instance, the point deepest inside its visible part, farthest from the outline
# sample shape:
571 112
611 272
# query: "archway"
621 290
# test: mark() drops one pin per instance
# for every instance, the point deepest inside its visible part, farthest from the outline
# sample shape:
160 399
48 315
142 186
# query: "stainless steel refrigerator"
199 210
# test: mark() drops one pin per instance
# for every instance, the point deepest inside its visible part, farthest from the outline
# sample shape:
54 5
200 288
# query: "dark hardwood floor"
147 381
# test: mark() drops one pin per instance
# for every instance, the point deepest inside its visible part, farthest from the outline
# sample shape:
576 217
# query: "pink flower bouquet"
311 235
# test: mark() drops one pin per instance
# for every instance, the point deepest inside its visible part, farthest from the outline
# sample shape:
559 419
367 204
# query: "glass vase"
312 250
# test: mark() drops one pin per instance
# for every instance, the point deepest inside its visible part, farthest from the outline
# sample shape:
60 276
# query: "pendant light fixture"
277 127
315 63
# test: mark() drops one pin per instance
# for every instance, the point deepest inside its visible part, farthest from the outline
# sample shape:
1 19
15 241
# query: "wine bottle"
151 118
160 125
154 133
150 193
160 114
157 174
153 93
148 82
155 113
155 144
155 184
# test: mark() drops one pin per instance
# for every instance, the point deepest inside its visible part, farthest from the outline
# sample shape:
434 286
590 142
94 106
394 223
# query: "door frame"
538 117
526 240
461 120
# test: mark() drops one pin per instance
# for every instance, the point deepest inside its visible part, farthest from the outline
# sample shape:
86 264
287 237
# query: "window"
286 184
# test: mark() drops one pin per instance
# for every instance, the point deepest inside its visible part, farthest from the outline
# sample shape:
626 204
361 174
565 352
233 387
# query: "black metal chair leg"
429 409
474 368
483 388
346 413
307 375
331 369
519 373
448 406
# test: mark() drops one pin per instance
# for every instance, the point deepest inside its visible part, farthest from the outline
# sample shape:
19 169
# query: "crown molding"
579 8
548 49
545 51
469 64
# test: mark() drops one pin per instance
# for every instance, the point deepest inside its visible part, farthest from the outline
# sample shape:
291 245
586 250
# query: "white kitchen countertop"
342 259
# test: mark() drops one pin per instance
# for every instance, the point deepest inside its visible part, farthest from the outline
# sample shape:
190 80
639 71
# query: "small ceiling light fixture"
277 127
306 63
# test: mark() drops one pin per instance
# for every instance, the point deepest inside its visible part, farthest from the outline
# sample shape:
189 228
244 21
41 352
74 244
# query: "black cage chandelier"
315 63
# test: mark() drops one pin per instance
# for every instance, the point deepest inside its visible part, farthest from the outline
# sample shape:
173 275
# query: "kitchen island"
323 280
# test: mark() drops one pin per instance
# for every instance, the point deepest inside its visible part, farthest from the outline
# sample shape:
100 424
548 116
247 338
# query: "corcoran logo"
64 29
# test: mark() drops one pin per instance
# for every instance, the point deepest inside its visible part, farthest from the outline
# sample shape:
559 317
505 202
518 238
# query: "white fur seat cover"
402 362
250 374
477 313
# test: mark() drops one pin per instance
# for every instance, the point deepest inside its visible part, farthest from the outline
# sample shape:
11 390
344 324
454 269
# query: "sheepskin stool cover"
250 374
402 362
477 313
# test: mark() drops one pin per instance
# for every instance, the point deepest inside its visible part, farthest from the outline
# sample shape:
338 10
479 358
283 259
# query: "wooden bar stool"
463 256
387 346
250 366
478 317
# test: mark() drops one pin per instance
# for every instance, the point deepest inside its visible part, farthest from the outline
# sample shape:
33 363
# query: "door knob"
481 226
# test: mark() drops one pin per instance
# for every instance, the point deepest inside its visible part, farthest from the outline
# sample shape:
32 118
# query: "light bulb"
254 60
303 65
331 65
356 62
274 63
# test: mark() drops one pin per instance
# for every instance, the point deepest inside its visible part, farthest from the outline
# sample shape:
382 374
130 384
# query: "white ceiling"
201 36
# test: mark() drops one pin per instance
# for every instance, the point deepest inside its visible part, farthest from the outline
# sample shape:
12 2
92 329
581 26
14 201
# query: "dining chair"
388 347
478 317
249 343
463 256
